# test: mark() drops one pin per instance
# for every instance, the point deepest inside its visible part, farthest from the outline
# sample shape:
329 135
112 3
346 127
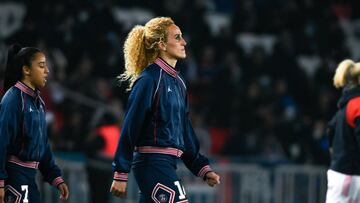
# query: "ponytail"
12 73
134 54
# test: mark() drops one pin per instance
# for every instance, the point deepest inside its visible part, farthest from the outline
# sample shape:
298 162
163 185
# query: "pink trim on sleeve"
204 170
121 176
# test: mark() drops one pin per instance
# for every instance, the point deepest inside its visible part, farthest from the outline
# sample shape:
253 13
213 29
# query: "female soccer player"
24 146
344 134
157 124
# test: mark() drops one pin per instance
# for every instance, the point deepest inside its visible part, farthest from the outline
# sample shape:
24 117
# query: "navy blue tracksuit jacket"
23 135
157 122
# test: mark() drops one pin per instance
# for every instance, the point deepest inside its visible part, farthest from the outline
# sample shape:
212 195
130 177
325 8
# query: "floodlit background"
259 75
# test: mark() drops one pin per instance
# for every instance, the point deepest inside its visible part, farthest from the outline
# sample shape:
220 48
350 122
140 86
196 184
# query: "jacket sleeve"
138 108
197 163
10 114
49 169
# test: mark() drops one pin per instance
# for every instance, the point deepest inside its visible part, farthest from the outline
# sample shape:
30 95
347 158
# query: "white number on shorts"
181 190
26 189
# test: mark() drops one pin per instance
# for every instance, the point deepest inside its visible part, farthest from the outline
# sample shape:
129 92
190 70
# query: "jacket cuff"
120 176
2 183
57 181
203 171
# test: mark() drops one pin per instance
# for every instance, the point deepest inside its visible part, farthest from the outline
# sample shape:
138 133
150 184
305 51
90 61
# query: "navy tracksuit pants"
157 179
20 186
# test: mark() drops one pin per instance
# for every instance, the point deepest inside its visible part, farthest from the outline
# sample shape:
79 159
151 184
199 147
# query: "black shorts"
157 179
20 186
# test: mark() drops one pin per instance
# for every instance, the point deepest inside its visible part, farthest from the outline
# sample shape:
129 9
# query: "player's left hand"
118 188
212 179
64 191
2 194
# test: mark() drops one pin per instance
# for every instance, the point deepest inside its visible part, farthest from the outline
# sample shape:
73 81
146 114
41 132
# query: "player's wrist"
118 176
57 181
203 171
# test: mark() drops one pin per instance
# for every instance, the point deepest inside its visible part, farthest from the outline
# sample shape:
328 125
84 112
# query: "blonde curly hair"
141 47
347 74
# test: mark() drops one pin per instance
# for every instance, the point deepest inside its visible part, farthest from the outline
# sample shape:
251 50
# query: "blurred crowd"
259 73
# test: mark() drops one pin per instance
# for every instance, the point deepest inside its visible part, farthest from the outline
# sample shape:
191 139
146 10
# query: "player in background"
344 136
24 145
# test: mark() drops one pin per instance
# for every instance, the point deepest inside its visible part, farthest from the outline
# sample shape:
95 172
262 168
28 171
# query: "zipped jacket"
157 121
23 134
344 134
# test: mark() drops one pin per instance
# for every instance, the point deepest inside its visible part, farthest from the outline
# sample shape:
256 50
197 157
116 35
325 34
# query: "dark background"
259 72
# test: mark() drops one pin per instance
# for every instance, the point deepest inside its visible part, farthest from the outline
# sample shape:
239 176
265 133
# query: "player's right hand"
212 179
64 191
2 194
118 188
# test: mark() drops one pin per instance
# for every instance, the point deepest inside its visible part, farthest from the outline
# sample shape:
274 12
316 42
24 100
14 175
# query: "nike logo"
169 90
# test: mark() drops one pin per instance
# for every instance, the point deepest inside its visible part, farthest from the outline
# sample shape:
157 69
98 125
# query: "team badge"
163 194
11 195
10 199
162 198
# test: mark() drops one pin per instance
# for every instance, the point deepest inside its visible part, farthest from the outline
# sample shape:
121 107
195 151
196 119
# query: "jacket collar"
166 67
26 89
347 95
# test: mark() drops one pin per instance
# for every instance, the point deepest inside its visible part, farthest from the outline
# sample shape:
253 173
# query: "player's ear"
162 46
26 70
